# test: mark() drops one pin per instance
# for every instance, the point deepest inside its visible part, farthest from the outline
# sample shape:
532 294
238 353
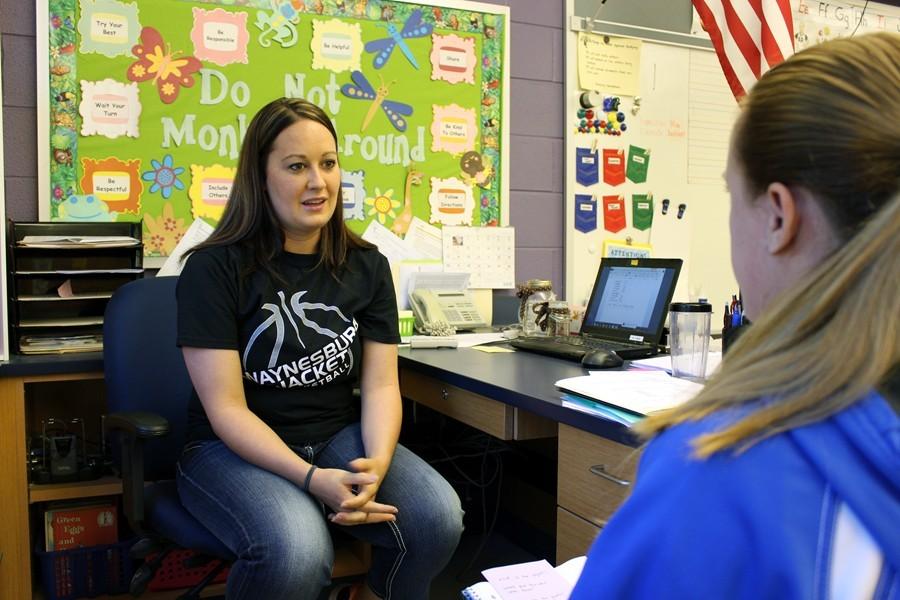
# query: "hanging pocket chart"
587 167
614 213
585 213
642 211
613 166
638 163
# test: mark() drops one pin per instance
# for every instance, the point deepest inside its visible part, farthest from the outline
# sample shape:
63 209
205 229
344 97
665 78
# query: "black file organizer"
35 274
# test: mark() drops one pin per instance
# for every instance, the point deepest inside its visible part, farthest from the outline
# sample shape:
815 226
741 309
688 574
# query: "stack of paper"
527 581
640 392
60 344
68 241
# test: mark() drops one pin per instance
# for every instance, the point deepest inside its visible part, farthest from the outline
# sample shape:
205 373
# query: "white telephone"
456 308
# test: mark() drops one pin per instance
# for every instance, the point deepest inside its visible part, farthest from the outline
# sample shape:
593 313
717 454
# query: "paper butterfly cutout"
156 61
413 28
363 90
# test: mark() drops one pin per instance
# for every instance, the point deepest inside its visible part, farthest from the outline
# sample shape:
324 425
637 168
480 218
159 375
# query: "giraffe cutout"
401 223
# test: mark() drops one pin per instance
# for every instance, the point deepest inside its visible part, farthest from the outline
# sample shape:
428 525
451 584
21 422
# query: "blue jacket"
813 513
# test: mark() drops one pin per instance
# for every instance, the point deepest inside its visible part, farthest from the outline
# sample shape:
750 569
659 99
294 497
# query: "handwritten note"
608 63
528 581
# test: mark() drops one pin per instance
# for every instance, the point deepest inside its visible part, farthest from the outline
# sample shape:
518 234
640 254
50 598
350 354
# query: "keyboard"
575 347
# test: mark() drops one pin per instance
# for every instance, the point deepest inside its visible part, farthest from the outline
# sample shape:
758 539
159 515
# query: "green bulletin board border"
59 88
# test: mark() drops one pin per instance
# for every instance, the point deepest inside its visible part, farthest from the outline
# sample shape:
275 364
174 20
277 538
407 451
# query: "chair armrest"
133 428
138 424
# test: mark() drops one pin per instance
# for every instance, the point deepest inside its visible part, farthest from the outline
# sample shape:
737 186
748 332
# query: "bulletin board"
4 329
145 103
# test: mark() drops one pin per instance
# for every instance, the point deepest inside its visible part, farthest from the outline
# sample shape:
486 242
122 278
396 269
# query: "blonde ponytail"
818 349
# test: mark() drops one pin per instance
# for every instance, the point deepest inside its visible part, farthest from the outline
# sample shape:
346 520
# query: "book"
638 392
77 526
527 581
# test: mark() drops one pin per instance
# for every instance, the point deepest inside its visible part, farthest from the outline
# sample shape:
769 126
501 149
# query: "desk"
514 392
512 396
15 376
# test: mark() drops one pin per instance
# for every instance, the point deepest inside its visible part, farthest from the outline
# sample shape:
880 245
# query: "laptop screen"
631 298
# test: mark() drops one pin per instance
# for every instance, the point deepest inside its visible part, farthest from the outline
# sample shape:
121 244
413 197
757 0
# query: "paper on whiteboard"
450 282
609 63
405 270
196 233
487 253
391 246
424 239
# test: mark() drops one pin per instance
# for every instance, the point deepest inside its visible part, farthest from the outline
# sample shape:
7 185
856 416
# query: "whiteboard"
685 115
685 119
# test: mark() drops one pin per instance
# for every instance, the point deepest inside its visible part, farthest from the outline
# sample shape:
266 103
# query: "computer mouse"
601 359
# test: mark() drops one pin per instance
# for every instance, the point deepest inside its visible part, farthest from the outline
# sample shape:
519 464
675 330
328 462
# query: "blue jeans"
280 535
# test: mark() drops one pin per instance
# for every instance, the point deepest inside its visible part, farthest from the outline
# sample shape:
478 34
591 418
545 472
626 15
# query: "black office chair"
148 389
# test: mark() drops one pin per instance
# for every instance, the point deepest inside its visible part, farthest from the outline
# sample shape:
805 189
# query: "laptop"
626 312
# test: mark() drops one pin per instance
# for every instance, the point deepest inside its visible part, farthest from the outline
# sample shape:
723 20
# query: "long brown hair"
249 220
827 120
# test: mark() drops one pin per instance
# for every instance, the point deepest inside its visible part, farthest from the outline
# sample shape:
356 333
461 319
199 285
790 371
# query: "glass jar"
558 318
535 296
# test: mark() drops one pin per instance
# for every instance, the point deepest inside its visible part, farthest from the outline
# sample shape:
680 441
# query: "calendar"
487 253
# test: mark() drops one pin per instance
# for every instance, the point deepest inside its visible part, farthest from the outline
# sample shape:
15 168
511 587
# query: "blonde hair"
828 120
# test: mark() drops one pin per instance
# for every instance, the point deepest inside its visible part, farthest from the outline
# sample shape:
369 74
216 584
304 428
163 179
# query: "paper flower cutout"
336 45
114 181
353 191
164 176
165 231
453 58
452 201
219 36
107 27
109 108
454 129
210 189
382 205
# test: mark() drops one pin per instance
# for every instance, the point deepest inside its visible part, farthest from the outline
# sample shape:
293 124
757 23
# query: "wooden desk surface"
520 379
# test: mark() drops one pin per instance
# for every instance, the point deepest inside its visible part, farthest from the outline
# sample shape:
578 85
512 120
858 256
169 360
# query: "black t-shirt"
298 343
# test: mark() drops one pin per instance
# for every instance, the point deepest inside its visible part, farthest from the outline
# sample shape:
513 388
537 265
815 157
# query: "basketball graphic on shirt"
299 343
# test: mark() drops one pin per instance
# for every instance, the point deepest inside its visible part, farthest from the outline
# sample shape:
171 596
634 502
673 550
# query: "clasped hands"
351 494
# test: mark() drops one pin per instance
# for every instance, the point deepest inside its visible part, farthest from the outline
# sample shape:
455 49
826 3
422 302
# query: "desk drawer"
574 535
595 474
493 417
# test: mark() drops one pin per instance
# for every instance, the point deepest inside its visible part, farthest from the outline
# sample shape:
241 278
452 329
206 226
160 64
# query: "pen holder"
406 321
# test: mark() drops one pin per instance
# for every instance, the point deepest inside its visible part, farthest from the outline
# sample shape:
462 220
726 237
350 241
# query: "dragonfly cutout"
363 90
413 28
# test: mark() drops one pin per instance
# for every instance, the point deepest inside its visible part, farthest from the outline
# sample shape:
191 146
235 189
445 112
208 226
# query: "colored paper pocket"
585 213
638 163
641 211
614 213
613 166
587 167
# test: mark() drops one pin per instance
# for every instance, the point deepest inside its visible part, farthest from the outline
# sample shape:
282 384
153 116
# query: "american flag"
750 37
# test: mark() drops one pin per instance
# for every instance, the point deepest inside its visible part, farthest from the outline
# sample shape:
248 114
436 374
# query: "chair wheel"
140 579
144 547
